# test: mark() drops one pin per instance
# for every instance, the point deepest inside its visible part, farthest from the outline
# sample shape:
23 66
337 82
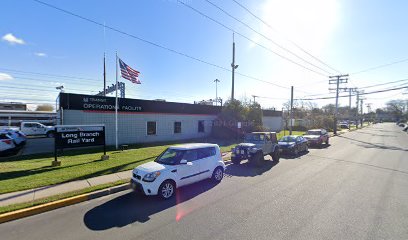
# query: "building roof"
188 146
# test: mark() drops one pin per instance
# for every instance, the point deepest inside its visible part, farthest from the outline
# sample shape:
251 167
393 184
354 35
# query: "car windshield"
170 156
288 139
313 133
254 137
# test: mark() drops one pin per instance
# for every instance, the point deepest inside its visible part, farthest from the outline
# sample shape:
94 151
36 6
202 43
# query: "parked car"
317 137
255 147
35 129
405 129
402 124
18 137
6 144
293 144
178 166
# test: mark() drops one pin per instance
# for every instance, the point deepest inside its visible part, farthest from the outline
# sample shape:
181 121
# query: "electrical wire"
294 43
379 66
247 38
360 94
151 43
266 37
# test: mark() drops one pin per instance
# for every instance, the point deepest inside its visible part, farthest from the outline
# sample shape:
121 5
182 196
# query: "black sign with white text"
79 136
70 101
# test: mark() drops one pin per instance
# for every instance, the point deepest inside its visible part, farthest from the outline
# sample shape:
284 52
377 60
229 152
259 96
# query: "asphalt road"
357 188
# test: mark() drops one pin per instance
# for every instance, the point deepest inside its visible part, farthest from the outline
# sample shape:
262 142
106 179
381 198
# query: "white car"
178 166
6 144
19 137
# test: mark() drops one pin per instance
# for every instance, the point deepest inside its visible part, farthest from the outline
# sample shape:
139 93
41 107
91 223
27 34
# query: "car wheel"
306 148
327 141
295 151
276 155
167 189
218 174
50 134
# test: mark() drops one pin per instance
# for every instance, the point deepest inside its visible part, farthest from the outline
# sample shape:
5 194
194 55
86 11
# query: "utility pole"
216 91
357 108
254 96
351 90
337 80
104 76
233 66
362 110
291 110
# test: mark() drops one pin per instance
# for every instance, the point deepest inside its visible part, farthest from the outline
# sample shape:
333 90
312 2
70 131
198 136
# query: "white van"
178 166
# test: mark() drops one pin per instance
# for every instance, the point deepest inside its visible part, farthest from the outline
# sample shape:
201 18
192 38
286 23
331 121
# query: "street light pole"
216 91
233 66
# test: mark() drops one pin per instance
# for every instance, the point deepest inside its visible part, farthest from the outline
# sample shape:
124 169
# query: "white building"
141 121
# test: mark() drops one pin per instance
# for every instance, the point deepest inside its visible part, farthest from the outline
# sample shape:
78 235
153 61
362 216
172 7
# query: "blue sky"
348 35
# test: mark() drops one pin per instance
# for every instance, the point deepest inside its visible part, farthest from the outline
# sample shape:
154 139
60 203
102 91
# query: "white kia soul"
178 166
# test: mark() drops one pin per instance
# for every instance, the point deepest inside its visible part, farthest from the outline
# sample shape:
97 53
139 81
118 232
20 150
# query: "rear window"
313 133
206 152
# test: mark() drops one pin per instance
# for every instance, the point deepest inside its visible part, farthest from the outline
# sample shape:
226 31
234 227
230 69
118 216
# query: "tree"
45 107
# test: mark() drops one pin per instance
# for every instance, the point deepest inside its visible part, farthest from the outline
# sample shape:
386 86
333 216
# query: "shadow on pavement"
131 207
289 156
374 145
248 170
320 147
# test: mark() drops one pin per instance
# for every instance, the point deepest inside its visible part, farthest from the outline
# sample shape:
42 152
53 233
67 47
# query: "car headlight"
150 177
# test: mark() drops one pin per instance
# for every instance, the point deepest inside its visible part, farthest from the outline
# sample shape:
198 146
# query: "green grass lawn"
27 172
285 133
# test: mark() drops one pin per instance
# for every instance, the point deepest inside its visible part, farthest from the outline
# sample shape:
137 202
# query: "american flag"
129 73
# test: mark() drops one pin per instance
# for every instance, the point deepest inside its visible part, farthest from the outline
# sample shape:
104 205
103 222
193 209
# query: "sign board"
112 88
74 136
79 136
71 101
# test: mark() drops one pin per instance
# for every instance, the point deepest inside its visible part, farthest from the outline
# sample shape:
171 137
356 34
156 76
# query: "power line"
151 43
379 66
47 74
247 38
264 36
381 84
295 44
365 93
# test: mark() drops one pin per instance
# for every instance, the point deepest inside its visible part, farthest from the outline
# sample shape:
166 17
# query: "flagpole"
116 105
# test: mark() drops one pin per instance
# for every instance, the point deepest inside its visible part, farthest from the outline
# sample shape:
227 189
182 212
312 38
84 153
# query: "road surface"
357 188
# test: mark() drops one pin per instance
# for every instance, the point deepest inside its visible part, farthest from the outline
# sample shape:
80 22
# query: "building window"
201 126
151 128
177 127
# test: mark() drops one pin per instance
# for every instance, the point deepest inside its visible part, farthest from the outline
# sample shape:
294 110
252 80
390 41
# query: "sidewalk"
52 190
48 191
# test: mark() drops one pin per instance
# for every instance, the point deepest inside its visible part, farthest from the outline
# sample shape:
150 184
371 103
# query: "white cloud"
10 38
5 76
40 54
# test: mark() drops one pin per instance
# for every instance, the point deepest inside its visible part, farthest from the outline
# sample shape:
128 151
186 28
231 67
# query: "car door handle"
175 170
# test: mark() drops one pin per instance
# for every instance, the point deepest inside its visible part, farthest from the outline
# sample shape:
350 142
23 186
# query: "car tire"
50 134
167 190
276 155
306 148
295 151
218 174
327 141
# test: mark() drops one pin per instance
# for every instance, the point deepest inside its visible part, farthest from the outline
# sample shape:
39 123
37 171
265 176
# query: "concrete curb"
10 216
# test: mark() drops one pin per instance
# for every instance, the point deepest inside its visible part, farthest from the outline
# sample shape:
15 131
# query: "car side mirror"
183 161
